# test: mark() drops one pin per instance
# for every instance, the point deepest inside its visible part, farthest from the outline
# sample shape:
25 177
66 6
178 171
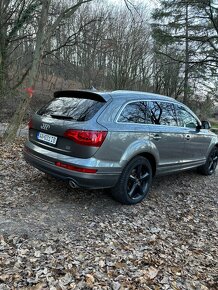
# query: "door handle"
156 137
187 137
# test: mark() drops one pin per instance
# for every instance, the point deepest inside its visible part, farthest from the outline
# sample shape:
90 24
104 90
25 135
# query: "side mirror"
205 125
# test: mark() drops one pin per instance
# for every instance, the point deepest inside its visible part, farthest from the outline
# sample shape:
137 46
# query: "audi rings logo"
45 126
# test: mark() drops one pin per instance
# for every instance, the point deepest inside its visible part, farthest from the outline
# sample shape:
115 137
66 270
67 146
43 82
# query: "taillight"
30 124
85 137
74 168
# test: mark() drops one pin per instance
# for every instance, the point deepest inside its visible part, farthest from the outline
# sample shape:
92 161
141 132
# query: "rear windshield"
77 109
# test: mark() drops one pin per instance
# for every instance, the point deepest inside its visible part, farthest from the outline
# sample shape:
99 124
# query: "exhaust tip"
73 184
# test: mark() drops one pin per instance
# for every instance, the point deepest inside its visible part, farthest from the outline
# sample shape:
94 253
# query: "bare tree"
44 33
129 55
16 32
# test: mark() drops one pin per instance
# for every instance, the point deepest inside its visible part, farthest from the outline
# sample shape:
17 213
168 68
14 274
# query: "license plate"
47 138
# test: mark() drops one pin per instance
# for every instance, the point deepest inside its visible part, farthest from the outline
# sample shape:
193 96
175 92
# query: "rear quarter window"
135 112
77 109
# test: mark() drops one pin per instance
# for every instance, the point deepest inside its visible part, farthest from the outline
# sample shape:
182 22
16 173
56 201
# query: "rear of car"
64 137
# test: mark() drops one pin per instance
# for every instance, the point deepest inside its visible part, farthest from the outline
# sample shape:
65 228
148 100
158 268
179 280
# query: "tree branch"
63 15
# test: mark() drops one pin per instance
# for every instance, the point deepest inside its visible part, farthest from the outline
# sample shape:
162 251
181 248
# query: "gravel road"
53 237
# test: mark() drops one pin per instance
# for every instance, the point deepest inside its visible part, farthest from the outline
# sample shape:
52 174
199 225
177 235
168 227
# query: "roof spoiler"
80 94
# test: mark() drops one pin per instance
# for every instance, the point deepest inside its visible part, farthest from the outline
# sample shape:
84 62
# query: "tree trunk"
18 116
186 78
2 76
2 52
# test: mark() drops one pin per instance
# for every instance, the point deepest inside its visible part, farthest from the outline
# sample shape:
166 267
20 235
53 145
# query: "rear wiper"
61 117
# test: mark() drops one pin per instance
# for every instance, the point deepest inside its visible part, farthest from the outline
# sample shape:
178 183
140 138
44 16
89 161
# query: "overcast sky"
151 3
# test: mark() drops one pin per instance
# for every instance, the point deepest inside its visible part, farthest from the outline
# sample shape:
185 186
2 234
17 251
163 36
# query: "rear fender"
139 148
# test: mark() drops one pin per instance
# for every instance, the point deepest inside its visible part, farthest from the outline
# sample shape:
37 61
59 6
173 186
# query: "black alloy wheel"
213 159
134 183
138 182
210 166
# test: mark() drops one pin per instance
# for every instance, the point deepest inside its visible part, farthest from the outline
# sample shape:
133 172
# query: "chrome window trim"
176 104
150 100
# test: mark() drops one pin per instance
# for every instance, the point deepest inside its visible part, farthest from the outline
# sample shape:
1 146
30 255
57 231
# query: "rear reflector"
85 137
74 168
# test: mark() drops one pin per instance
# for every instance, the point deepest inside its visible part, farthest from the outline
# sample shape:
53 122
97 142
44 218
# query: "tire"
210 166
134 182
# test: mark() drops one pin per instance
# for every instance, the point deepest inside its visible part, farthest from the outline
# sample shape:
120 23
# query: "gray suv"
118 140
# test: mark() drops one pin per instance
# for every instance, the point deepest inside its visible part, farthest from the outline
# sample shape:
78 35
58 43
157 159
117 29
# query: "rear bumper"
44 160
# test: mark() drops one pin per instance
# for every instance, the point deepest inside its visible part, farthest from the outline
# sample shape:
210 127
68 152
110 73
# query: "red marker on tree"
30 91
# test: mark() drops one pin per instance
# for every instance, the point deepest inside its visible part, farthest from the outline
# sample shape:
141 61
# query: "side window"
163 113
136 112
185 119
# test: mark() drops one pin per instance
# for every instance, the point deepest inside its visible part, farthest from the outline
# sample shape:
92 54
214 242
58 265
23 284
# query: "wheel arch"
145 149
152 161
149 156
212 146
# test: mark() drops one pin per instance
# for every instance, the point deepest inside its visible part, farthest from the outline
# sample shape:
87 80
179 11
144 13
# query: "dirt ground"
54 237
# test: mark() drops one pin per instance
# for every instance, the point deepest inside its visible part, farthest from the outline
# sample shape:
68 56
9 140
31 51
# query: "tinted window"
136 112
163 113
77 109
185 119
